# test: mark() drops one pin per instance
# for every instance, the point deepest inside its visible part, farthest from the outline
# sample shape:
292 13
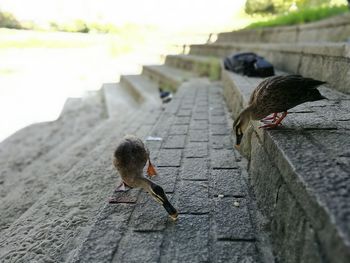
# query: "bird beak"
158 194
324 98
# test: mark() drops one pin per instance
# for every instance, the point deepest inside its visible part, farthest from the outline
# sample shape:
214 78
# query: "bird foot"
272 117
151 170
269 125
123 187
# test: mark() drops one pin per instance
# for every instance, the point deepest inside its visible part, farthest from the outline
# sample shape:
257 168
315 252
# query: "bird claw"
122 188
269 125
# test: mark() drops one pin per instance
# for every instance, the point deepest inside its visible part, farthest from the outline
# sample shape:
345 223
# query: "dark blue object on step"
249 64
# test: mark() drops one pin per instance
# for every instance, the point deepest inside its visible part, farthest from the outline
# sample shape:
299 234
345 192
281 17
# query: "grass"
115 44
301 16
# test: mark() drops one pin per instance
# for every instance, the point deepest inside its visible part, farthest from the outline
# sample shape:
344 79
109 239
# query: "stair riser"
308 61
210 68
299 224
133 91
163 81
337 29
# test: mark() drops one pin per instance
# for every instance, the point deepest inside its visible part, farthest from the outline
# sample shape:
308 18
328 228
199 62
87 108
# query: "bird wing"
280 93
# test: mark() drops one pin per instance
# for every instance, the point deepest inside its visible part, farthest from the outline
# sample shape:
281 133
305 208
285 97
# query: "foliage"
9 21
279 6
301 16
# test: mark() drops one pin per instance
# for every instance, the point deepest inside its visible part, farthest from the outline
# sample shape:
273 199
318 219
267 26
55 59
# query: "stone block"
233 222
235 252
169 158
223 159
192 197
139 247
175 142
178 130
221 142
194 169
187 240
228 183
196 150
166 178
198 136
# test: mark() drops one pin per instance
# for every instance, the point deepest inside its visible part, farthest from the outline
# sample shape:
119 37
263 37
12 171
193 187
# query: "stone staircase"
289 202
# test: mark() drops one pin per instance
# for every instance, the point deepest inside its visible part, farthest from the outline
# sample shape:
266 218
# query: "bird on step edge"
130 157
276 95
165 96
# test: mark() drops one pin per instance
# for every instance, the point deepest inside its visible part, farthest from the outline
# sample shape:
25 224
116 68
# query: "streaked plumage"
275 95
130 158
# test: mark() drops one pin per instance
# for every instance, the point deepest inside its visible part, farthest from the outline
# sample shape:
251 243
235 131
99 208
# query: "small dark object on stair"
165 96
249 64
130 158
275 95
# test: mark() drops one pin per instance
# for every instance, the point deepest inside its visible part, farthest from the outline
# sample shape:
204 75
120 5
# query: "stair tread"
314 135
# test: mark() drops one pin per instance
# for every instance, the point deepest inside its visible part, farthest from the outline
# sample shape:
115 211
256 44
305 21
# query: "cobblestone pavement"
203 178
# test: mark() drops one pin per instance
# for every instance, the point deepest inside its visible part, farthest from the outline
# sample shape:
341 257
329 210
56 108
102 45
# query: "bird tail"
313 83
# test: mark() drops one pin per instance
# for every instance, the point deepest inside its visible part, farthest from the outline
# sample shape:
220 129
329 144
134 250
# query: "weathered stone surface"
227 183
309 157
199 125
218 119
192 197
182 120
187 240
196 149
139 247
184 112
223 159
199 115
166 178
221 141
169 157
195 169
178 129
175 142
219 129
106 234
199 136
235 252
316 60
153 218
233 222
73 221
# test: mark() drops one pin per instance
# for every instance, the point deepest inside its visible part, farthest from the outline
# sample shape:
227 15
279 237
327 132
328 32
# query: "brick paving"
202 177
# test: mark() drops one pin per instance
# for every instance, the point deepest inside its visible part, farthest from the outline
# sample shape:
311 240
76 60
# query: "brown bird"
276 95
130 158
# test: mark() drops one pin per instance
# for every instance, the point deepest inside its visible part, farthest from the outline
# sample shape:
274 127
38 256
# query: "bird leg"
151 170
275 123
272 117
123 187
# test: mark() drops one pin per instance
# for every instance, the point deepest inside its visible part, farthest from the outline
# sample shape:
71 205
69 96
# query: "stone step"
52 228
43 142
300 174
71 104
204 179
334 29
119 100
316 60
166 77
203 66
22 189
148 90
